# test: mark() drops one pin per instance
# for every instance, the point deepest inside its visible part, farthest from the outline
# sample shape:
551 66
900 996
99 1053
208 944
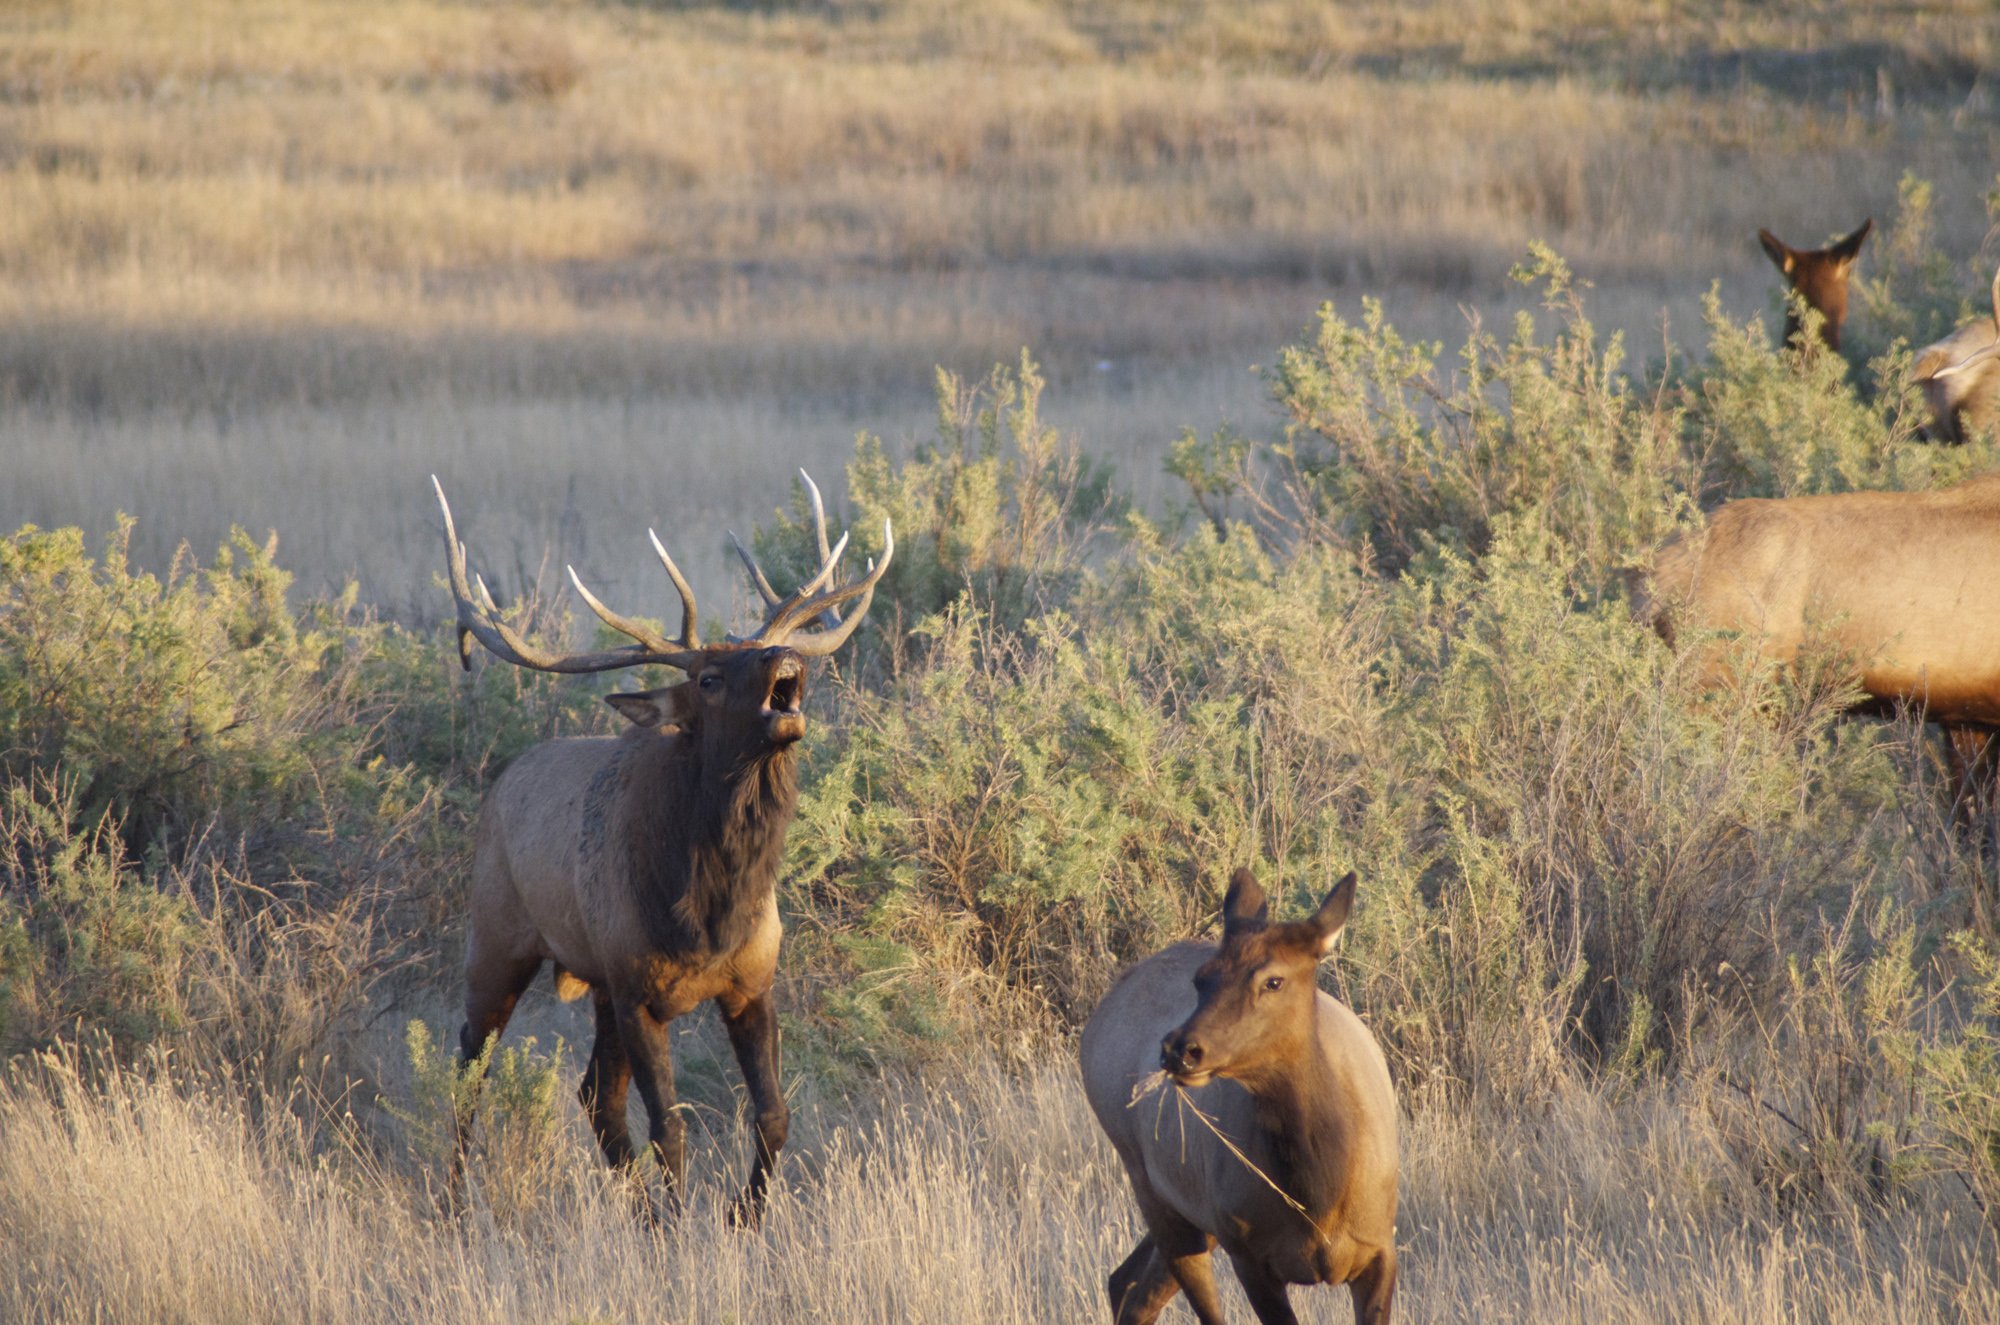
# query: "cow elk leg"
1267 1295
651 1055
1141 1286
492 990
604 1086
1187 1258
753 1033
1374 1290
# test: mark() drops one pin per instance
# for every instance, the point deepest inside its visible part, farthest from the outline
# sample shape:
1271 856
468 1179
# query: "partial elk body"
1273 1132
1906 584
1960 378
1819 275
644 866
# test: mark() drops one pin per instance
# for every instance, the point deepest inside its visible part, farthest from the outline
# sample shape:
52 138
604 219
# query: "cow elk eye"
1272 984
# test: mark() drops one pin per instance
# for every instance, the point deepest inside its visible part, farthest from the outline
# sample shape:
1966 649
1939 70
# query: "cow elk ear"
1244 907
1775 246
652 708
1331 918
1848 249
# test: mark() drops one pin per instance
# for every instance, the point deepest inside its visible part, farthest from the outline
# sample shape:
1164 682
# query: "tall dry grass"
233 227
133 1196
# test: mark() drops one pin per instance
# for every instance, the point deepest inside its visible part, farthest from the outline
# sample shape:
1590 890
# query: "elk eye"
711 682
1272 984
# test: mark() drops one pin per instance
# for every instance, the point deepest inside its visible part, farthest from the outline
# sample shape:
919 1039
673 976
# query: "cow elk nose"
1180 1052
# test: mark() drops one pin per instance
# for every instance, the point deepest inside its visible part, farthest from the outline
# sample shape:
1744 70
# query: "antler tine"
1979 356
764 588
504 642
782 627
828 618
690 638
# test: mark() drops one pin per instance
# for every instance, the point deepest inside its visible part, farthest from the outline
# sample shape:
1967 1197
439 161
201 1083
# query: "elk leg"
604 1085
753 1033
1267 1295
1185 1250
1141 1286
647 1047
491 990
1374 1289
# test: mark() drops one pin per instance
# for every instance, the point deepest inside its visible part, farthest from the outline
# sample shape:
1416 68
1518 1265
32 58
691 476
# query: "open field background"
1692 1001
272 263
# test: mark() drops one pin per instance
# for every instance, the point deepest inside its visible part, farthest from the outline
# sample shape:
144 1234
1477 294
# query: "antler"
1979 356
481 620
787 616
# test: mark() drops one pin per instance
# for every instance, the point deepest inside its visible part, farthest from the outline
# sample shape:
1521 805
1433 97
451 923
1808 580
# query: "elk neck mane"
703 845
1299 1111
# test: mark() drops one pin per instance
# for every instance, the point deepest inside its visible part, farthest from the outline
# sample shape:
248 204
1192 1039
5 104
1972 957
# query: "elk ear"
1775 246
1331 918
1847 250
652 708
1244 907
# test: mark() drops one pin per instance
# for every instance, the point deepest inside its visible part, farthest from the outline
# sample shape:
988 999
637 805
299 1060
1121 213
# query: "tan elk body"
1273 1131
1905 583
644 866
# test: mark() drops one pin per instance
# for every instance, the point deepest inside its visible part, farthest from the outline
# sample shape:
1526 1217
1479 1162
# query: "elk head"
743 693
1257 995
1819 275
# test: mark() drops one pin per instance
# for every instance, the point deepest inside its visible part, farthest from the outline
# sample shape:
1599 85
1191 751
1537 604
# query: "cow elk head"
1256 996
1819 275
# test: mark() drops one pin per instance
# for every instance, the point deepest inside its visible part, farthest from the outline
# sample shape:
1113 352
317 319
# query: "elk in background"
1905 584
1819 275
1275 1133
1960 377
644 866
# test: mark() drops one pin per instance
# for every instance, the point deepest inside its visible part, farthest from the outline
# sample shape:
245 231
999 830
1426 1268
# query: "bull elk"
1906 584
644 865
1960 377
1819 276
1276 1135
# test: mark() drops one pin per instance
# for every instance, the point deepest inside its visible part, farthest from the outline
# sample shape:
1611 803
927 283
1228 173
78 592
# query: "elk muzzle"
1184 1058
784 718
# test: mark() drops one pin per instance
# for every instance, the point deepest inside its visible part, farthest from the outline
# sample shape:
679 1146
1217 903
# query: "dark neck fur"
1299 1111
705 845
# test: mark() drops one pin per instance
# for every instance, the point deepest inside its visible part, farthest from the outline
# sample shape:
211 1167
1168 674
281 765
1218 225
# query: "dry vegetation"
1694 1005
257 252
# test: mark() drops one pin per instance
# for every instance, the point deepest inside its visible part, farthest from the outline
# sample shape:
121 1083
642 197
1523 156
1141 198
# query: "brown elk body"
644 866
1819 275
1905 584
1960 377
1276 1136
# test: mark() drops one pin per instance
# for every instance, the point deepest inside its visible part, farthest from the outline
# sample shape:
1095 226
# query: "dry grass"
249 246
929 1204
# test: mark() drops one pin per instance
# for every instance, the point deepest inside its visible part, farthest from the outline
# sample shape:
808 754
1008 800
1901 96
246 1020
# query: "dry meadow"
1691 1001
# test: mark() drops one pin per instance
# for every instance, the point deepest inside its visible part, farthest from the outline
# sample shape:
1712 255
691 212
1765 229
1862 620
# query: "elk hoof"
747 1211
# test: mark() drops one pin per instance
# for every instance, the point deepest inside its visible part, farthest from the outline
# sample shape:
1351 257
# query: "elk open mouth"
788 683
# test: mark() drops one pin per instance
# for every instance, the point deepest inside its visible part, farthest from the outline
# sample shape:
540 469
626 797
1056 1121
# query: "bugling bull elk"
1277 1137
1819 275
644 866
1960 377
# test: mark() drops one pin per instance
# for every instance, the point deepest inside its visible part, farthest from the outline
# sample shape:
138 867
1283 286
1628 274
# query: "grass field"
271 263
1691 1003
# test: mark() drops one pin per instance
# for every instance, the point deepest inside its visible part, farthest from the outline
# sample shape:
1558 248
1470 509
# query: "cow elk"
644 866
1960 378
1904 584
1819 277
1251 1109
